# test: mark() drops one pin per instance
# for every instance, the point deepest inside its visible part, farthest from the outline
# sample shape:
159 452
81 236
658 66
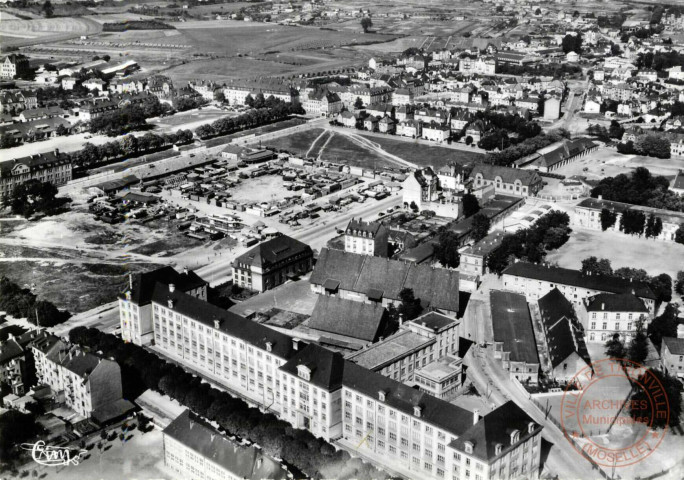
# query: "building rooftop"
380 354
512 325
485 246
575 278
273 251
496 428
440 369
674 344
347 317
435 321
144 283
435 287
242 461
615 302
325 366
563 335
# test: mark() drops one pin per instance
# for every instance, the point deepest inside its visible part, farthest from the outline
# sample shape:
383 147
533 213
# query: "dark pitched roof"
10 349
273 251
347 317
229 322
242 461
358 225
496 428
435 287
575 278
678 181
563 336
615 302
144 283
674 345
508 175
326 367
444 415
33 162
512 325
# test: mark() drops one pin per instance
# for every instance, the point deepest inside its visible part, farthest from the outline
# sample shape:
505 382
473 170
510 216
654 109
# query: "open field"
15 33
426 155
607 162
341 149
298 144
261 189
621 250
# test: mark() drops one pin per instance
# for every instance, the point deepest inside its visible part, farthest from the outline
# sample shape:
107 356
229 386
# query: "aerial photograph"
341 240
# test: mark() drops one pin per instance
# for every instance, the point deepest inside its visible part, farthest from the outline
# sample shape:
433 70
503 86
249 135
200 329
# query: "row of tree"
531 244
128 146
21 303
253 118
650 145
127 118
142 369
525 148
34 196
639 188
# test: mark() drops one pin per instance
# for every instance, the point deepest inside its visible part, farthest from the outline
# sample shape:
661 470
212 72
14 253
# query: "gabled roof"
563 336
273 251
144 283
575 278
615 302
435 287
674 345
508 175
496 428
347 317
326 367
242 461
512 326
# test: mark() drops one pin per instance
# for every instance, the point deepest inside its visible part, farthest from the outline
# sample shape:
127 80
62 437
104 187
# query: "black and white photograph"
341 240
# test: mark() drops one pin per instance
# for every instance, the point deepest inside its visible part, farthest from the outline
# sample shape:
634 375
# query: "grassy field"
15 33
585 243
342 150
422 154
297 144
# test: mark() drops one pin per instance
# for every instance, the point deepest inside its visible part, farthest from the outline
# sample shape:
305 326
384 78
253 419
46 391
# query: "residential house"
605 315
506 180
367 238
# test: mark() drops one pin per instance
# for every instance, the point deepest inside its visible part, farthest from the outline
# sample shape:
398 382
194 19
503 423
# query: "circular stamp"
610 411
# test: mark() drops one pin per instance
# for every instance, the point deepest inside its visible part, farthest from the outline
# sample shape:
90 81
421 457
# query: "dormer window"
497 449
530 427
304 372
170 303
468 447
128 295
269 346
381 395
416 411
515 436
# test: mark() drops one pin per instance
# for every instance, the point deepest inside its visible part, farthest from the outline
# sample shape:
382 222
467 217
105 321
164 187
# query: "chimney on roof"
295 344
185 270
476 415
603 306
172 288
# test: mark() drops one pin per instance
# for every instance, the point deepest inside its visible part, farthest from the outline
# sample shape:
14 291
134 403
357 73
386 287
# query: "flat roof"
389 350
512 325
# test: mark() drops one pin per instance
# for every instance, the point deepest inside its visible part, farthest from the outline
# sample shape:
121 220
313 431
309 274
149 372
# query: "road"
563 460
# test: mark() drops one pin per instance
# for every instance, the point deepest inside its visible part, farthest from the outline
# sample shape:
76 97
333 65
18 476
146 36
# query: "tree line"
639 188
141 369
531 244
649 144
128 146
525 148
21 303
272 111
127 118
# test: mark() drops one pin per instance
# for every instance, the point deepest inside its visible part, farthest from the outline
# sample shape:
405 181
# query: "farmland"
16 33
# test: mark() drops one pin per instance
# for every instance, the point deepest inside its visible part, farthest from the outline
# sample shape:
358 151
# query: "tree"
413 206
249 100
34 196
616 130
679 234
468 140
679 284
633 222
664 325
641 404
608 219
662 287
633 274
654 226
48 9
572 43
594 266
470 205
480 226
219 96
15 429
7 140
358 103
615 348
410 306
366 24
638 347
446 248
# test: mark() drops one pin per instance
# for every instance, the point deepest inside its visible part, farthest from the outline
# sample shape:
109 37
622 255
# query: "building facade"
52 167
271 263
607 314
367 238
